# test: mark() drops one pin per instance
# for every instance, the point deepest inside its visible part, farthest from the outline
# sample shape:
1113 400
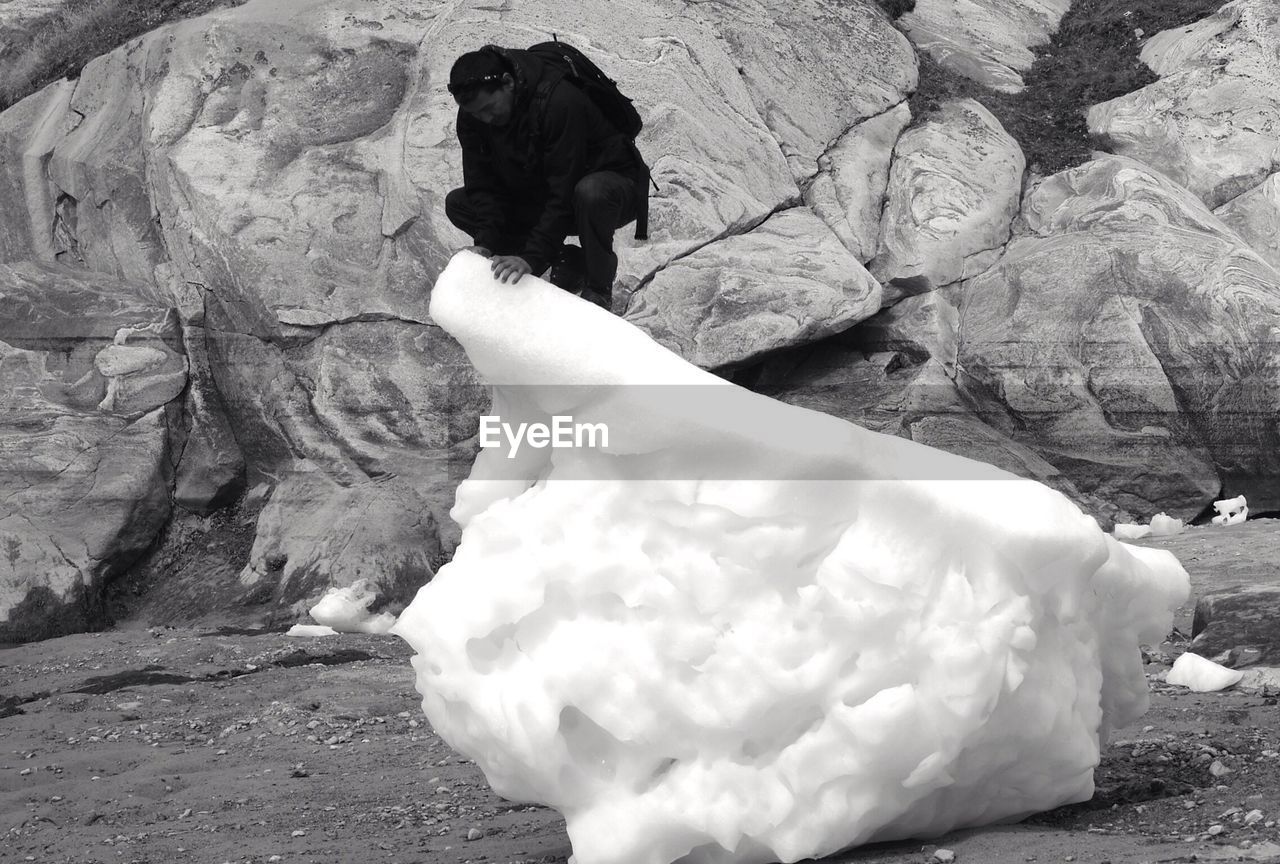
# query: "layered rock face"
88 439
1120 345
269 181
952 194
1212 121
1157 391
989 41
272 178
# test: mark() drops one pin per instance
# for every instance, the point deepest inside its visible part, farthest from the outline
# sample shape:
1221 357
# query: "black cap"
473 71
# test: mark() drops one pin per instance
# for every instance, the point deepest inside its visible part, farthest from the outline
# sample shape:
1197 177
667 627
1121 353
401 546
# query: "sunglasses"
472 83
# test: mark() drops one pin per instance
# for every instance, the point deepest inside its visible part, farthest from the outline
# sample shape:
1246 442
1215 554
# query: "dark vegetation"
894 8
1092 58
59 45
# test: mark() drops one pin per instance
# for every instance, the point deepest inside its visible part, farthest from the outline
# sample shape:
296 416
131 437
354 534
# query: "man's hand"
509 268
479 250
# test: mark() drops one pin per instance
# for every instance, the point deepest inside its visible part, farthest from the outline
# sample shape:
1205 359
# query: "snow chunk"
1231 511
1200 674
310 630
347 610
1162 525
747 632
1130 531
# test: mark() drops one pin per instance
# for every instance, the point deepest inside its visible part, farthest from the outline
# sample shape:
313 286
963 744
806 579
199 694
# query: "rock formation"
259 192
953 191
989 41
1212 121
88 437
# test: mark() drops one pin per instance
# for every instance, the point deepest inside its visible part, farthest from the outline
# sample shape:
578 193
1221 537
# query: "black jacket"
537 158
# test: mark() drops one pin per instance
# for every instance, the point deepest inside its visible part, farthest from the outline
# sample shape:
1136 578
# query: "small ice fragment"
1164 525
347 610
1203 676
1231 511
1130 531
311 630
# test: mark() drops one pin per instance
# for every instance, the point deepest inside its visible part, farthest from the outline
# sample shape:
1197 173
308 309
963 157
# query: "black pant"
602 203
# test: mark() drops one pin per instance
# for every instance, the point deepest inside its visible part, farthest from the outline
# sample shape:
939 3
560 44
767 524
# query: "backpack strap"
538 103
642 192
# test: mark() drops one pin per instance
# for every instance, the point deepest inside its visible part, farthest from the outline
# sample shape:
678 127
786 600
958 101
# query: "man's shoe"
604 301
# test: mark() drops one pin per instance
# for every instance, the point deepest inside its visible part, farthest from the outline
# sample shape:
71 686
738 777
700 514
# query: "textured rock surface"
738 101
1255 216
1130 339
276 172
1212 121
986 40
895 373
848 192
795 61
211 470
786 282
306 205
314 533
28 200
953 190
89 371
1242 623
885 373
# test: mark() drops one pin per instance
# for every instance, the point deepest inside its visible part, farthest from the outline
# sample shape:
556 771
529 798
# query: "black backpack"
589 78
617 109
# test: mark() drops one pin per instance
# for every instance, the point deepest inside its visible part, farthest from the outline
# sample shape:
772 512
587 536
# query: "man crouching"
540 162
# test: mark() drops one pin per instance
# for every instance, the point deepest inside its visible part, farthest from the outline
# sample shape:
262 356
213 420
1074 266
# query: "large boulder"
1212 121
953 191
989 41
848 191
1239 626
787 282
895 373
1255 216
795 61
315 533
888 373
28 199
1130 338
92 372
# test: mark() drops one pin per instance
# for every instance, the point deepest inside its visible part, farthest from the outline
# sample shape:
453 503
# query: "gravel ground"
185 745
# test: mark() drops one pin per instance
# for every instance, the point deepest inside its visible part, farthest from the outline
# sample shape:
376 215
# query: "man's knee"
457 206
594 190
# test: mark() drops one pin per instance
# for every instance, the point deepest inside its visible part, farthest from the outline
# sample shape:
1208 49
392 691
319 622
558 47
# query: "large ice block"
745 631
